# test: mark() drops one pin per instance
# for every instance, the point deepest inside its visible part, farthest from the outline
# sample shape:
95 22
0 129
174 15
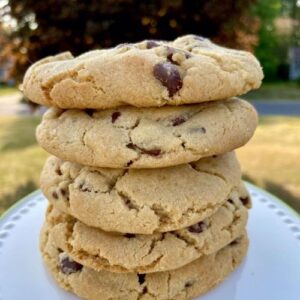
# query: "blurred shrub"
50 26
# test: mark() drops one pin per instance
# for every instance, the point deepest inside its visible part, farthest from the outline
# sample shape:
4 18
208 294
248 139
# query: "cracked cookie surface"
184 283
147 138
190 69
158 252
141 200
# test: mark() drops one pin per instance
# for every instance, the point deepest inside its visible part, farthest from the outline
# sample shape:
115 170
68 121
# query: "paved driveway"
10 105
277 107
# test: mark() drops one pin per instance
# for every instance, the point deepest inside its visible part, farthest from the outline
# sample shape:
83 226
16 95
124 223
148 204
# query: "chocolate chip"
230 201
129 235
245 201
177 121
131 146
151 44
169 76
115 116
68 266
58 172
153 152
197 228
63 192
188 284
89 112
145 290
141 278
129 163
55 195
215 156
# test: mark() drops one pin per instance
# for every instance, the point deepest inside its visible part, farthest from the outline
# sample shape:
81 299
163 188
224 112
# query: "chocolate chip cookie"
186 282
147 138
158 252
190 69
142 200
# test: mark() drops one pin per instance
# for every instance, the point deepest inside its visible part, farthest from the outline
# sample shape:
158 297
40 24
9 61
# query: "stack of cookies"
145 194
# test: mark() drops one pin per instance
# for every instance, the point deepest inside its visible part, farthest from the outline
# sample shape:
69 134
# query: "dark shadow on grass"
21 191
284 194
278 190
20 134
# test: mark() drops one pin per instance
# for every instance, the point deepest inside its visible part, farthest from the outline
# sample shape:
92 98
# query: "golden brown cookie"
190 69
157 252
147 138
142 200
184 283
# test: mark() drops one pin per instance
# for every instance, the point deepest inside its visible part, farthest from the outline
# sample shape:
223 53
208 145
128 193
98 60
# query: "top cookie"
190 69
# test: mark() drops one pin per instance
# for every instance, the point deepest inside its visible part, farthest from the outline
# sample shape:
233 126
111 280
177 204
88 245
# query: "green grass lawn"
7 90
270 160
276 90
21 159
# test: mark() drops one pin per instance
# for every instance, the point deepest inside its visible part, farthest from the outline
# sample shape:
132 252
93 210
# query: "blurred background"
30 30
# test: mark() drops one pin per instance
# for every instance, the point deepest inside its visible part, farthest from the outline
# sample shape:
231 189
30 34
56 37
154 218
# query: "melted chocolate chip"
129 235
63 192
58 172
230 201
141 278
169 76
129 163
55 195
245 201
152 152
177 121
68 266
89 112
115 116
197 228
151 44
188 284
131 146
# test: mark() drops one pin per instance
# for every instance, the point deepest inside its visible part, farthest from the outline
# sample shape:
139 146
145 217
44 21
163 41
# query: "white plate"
270 271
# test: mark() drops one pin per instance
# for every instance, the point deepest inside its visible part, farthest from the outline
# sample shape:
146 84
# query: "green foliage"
51 26
268 47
